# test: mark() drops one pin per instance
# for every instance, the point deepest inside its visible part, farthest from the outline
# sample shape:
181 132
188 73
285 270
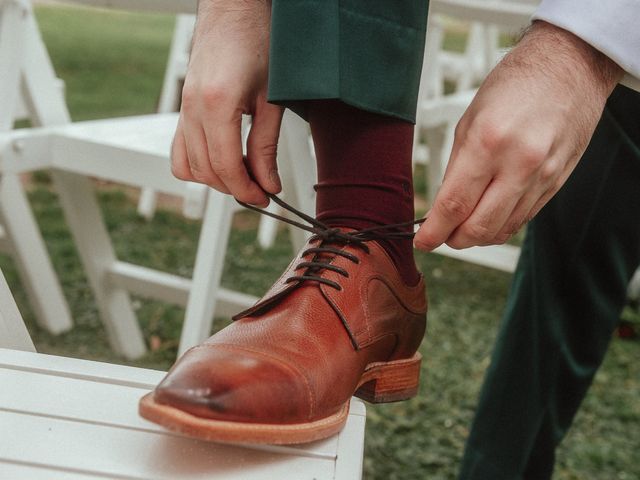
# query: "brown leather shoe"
339 322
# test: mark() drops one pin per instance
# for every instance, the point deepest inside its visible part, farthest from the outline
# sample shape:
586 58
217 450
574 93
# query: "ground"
113 65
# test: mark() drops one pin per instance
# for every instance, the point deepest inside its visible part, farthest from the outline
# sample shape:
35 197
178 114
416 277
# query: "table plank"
113 452
67 401
17 471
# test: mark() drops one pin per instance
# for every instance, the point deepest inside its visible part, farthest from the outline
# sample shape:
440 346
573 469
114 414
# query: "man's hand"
227 77
520 138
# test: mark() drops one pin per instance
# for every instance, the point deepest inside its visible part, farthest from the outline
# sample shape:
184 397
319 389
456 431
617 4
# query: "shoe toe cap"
221 383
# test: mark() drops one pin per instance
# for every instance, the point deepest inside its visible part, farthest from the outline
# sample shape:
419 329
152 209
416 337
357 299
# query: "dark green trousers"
366 53
579 253
567 295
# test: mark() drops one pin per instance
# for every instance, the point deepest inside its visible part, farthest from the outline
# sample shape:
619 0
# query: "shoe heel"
390 381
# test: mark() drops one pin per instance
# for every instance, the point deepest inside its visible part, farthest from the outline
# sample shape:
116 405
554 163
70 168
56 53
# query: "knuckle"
189 97
513 226
201 175
212 96
220 168
426 242
501 238
209 96
457 243
532 157
548 172
269 150
179 172
454 208
460 130
491 135
477 232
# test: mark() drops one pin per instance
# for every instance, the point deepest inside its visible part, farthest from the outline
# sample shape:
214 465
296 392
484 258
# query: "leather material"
298 354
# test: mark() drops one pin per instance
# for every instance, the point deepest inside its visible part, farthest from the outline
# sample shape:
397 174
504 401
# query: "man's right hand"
227 77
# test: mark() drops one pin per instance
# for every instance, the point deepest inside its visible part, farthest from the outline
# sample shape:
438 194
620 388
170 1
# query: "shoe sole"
381 382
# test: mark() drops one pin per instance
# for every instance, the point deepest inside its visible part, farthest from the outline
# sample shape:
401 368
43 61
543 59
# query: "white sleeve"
611 26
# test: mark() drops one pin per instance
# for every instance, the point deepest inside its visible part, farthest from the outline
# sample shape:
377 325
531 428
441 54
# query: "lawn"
113 64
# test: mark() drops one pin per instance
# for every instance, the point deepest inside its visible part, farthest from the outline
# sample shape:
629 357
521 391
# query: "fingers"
224 145
456 200
262 146
198 157
489 217
179 159
548 182
212 155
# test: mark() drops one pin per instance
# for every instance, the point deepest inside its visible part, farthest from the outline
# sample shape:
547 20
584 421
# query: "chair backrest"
486 18
177 64
12 44
506 15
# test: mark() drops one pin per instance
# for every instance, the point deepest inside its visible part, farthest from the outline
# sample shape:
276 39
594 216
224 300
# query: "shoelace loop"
330 235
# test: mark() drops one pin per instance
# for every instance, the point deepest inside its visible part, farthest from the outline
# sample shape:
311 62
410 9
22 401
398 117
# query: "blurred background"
113 64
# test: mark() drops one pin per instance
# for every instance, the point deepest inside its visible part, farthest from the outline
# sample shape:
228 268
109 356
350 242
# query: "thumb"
262 146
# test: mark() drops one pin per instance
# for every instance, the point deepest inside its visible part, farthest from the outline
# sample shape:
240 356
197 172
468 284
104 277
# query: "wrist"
230 17
565 56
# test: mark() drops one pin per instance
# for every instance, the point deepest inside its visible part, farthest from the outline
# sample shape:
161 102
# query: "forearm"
610 26
565 58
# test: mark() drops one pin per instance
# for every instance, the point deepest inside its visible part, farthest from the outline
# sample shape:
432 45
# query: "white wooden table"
64 418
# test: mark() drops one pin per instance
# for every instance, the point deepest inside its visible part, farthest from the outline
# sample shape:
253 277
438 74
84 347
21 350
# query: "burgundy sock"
364 173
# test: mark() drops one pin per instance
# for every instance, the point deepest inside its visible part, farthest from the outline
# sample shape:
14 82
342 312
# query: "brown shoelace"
331 235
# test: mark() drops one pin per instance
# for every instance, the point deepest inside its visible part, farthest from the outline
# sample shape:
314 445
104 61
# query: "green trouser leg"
566 299
365 53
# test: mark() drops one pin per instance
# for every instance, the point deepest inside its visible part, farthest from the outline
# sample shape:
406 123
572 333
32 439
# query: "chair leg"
96 252
13 333
31 257
268 228
147 203
207 273
298 170
436 141
634 287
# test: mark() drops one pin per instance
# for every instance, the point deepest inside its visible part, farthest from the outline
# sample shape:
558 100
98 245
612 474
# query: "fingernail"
275 178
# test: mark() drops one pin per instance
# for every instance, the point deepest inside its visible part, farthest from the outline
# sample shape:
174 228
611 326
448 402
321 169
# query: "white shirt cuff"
610 26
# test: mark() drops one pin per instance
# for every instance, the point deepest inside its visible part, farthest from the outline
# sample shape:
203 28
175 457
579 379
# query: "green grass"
113 64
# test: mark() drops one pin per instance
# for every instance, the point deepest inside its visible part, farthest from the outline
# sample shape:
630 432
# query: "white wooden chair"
133 151
19 234
64 418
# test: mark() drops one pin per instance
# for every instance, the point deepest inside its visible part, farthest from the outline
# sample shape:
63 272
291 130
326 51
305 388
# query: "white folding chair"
132 151
19 233
64 418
